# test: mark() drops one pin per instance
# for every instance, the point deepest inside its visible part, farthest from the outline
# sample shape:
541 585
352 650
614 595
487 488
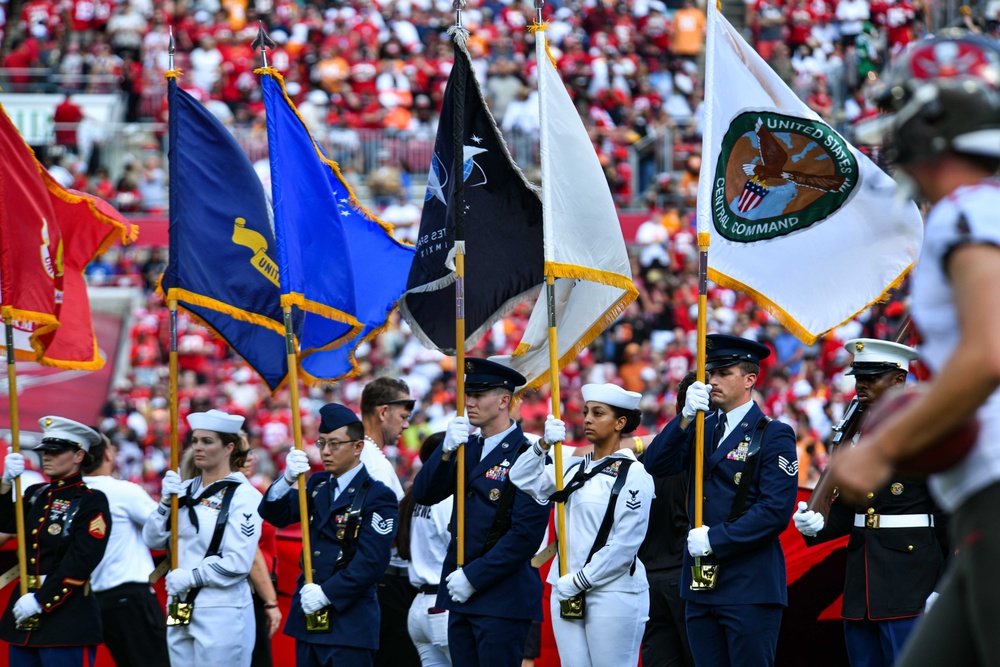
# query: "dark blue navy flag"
222 250
501 216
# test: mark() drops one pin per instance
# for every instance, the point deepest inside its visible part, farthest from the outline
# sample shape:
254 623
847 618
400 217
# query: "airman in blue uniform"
352 522
496 595
736 622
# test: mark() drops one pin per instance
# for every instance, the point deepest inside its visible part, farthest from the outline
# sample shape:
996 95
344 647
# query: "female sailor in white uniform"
602 567
218 530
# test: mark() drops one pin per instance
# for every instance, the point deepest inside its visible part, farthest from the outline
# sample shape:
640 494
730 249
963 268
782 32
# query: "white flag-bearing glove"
26 607
808 522
555 430
296 463
456 435
179 582
459 587
566 587
931 599
313 598
696 399
171 486
13 465
698 544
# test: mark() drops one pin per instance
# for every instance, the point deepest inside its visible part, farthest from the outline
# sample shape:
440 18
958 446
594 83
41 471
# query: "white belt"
893 520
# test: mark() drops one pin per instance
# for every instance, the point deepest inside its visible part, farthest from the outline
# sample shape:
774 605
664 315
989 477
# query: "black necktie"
720 430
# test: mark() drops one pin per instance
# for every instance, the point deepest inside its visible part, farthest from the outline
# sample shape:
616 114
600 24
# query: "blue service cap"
483 374
335 415
723 350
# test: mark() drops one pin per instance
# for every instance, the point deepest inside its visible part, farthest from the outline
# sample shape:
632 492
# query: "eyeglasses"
334 445
407 403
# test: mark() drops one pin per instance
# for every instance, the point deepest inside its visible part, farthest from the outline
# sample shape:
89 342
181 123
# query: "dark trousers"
325 655
135 629
262 645
486 641
961 627
52 656
739 635
395 595
877 643
665 641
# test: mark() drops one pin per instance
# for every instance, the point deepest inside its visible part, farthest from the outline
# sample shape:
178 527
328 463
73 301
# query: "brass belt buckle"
872 520
179 613
704 573
318 621
34 582
574 607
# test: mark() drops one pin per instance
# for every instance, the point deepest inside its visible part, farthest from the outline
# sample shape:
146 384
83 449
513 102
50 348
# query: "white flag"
797 217
584 247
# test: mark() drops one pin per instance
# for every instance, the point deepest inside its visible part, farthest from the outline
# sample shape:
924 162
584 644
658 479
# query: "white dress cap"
215 420
611 394
56 429
874 356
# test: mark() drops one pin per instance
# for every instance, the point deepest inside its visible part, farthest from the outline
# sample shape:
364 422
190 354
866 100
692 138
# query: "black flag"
501 225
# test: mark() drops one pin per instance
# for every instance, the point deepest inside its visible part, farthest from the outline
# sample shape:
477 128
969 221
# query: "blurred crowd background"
368 78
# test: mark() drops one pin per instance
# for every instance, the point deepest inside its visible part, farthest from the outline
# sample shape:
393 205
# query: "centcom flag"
798 218
584 247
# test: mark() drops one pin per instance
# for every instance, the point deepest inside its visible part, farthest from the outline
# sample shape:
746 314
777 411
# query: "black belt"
431 589
395 571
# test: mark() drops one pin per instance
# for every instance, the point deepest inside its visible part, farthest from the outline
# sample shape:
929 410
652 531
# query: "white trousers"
422 631
610 633
216 637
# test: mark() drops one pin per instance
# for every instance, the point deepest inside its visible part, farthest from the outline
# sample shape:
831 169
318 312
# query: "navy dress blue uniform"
492 626
737 622
354 612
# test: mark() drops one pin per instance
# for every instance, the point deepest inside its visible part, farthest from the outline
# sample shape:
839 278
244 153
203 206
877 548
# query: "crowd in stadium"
633 68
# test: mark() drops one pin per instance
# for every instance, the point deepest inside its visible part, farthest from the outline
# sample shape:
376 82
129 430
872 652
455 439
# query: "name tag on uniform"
740 453
498 473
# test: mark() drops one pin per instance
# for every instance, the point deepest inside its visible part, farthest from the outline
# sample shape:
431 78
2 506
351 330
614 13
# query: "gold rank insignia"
859 346
897 489
98 527
494 494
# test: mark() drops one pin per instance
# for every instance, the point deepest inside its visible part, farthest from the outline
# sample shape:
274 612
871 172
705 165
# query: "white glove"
296 463
808 522
698 544
459 587
696 399
566 587
26 607
313 598
555 430
13 465
457 434
931 599
171 486
179 582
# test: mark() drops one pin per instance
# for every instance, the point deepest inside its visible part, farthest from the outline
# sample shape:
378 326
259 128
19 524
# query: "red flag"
79 227
30 244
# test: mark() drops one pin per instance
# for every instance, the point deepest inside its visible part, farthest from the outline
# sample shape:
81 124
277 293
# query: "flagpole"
550 298
15 443
458 211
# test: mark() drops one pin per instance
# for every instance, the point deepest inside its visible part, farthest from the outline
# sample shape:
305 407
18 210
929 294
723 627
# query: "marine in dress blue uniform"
735 623
896 553
349 591
67 526
497 593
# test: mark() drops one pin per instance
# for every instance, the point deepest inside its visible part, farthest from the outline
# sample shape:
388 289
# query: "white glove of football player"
26 607
179 582
457 434
13 465
296 463
459 587
696 399
555 430
171 486
313 598
698 544
808 522
566 587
